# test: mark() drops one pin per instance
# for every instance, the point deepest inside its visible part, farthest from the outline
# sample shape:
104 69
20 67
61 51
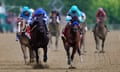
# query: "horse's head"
39 24
54 17
75 24
20 25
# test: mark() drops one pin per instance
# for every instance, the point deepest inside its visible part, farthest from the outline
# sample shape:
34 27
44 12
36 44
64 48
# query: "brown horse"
100 33
54 29
72 40
24 40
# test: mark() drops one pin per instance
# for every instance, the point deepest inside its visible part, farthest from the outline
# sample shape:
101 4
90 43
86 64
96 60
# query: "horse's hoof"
96 52
102 51
45 59
69 62
85 51
32 61
71 67
46 66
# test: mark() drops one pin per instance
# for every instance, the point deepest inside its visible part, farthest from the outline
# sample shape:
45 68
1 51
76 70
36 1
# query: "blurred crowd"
7 21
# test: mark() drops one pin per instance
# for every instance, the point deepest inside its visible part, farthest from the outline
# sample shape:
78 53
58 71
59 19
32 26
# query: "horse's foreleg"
67 48
97 42
73 53
103 41
24 53
56 43
45 54
37 56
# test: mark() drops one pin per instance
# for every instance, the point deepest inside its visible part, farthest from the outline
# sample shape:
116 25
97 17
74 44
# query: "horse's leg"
73 53
31 54
67 48
45 54
79 53
97 42
51 38
103 41
83 43
37 56
56 43
24 53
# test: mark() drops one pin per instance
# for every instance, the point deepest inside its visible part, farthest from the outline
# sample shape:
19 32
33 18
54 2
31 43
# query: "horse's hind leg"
31 55
45 54
82 43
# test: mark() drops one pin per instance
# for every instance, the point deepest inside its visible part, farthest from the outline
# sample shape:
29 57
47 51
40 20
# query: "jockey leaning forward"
73 11
41 11
26 15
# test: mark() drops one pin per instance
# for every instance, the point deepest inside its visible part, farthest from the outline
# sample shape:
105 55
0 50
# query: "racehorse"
100 33
54 29
83 29
24 40
39 38
72 39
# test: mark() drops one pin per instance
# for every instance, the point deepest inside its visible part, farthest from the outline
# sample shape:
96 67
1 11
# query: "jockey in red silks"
73 11
100 14
26 15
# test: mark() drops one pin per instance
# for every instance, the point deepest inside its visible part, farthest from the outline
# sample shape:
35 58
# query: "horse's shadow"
40 66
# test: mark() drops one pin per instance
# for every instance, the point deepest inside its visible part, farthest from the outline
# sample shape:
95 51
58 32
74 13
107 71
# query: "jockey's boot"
94 28
17 37
47 32
64 33
107 28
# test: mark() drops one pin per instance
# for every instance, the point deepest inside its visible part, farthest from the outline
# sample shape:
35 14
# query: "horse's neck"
54 18
101 25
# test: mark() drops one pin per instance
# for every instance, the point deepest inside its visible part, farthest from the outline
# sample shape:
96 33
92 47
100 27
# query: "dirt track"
11 59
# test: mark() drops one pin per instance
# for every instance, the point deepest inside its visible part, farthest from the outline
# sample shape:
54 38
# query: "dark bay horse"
54 29
24 40
100 33
72 40
39 38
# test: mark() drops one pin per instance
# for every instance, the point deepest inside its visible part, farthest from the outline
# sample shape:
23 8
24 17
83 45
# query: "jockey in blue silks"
26 15
40 11
73 11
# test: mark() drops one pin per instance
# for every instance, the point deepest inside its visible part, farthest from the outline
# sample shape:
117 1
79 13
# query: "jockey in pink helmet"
100 14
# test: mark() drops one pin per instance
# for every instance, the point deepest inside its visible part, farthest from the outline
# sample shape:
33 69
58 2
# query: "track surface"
11 58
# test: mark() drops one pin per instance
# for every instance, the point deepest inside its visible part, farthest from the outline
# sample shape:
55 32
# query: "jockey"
26 15
100 13
73 11
84 19
58 18
40 11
